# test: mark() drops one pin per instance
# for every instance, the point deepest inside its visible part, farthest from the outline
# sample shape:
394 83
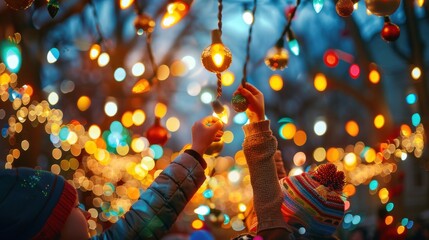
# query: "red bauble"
390 32
344 8
19 4
157 134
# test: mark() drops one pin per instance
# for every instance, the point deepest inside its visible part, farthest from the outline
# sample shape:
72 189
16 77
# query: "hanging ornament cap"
239 103
344 8
390 31
53 7
217 107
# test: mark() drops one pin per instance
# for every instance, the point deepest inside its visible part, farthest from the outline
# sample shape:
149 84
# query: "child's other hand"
256 109
204 132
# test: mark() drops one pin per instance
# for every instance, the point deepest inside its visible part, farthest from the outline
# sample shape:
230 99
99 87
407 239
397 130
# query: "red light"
354 71
330 58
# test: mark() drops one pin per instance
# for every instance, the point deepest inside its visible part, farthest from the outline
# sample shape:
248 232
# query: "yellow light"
138 117
94 51
356 6
276 82
242 207
420 3
163 72
160 110
320 82
138 145
197 224
173 124
227 137
141 86
416 73
127 119
350 161
319 154
388 220
370 155
124 4
228 78
400 230
224 115
288 130
175 12
83 103
374 76
352 128
383 193
94 132
379 121
216 57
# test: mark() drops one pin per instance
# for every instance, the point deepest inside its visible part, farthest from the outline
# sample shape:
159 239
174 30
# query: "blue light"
114 139
415 119
411 98
53 55
116 127
404 222
64 133
410 224
240 118
356 220
390 206
373 185
11 56
318 5
226 219
208 193
294 47
119 74
157 151
348 218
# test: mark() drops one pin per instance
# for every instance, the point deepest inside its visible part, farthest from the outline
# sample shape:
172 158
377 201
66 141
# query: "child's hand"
204 132
256 109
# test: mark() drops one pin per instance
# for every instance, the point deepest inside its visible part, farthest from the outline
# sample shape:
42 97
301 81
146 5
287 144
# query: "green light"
389 207
11 56
294 46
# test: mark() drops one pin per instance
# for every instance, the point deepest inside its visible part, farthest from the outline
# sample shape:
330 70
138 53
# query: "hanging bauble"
382 7
53 7
344 8
145 23
214 149
277 58
19 4
239 103
157 134
216 57
390 32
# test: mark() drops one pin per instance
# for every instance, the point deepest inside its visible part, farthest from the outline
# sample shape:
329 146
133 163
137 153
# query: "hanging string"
280 42
219 24
249 39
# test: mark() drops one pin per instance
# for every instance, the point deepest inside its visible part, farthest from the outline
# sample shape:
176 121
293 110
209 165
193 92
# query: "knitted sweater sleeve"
259 147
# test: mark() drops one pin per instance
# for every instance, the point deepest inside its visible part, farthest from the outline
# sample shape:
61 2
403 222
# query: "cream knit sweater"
259 147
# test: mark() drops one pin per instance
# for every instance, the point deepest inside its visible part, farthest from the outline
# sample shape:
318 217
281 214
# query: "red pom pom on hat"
328 176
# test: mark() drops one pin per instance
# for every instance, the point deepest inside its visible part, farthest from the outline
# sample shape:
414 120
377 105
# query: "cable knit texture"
259 147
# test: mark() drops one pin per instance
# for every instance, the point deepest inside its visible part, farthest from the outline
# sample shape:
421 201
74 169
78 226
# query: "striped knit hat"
312 204
34 204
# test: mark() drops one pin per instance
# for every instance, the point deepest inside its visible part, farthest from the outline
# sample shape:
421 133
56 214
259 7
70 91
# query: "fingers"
218 136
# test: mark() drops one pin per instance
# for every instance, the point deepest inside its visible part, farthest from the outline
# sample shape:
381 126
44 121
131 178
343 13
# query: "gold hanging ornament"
277 58
216 57
19 4
382 8
144 24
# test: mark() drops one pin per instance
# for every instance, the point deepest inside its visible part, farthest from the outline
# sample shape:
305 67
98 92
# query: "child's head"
312 204
36 204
